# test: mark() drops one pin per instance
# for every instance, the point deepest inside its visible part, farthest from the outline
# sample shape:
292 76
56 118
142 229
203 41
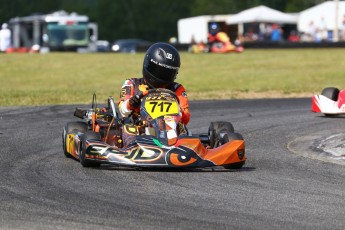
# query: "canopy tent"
324 13
262 14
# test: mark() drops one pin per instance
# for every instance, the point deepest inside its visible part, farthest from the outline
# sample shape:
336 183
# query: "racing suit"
135 86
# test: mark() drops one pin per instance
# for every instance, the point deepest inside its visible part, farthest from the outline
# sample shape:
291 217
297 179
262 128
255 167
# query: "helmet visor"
163 72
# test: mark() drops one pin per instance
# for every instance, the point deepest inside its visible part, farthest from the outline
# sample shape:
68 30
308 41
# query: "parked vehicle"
57 31
131 45
103 46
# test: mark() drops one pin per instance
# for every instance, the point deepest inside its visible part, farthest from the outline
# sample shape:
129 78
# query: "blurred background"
149 20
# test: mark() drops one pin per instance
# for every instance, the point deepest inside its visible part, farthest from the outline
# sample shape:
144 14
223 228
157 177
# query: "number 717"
160 105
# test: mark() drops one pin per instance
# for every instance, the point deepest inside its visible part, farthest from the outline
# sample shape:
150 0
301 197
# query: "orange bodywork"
175 161
226 154
231 152
187 152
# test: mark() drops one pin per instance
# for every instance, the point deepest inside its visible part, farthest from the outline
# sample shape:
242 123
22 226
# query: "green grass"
71 78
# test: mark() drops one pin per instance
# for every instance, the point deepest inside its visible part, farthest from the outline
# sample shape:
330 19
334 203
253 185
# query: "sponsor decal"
240 154
164 65
123 93
181 156
169 55
145 153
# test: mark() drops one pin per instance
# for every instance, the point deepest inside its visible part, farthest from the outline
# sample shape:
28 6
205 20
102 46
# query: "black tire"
216 127
230 137
87 136
237 165
331 93
81 126
227 137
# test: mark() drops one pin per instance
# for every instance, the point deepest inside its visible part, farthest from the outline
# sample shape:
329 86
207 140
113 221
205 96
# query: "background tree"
149 19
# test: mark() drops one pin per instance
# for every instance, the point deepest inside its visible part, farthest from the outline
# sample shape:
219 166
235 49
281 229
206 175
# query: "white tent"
262 14
196 28
327 11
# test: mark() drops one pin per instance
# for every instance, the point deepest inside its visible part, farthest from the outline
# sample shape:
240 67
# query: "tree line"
153 20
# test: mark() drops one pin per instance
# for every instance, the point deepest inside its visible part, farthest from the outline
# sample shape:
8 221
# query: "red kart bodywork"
329 106
226 47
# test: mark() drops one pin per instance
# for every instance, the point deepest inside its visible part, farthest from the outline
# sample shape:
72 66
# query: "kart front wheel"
227 137
215 129
83 161
80 126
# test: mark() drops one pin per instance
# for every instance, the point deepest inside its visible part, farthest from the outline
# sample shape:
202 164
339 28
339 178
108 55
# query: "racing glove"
134 102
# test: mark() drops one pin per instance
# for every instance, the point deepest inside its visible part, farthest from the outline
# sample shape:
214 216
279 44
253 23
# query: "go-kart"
330 102
160 139
217 47
226 47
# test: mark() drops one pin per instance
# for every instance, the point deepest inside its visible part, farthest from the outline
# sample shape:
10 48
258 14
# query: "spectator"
250 35
5 38
276 34
293 37
343 29
311 32
265 31
321 30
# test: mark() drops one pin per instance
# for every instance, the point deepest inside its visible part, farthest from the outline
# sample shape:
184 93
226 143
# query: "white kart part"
327 106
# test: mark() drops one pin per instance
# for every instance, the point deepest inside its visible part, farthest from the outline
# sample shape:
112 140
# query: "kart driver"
160 67
216 36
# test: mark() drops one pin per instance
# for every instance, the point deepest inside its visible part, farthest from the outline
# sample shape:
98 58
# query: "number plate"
158 108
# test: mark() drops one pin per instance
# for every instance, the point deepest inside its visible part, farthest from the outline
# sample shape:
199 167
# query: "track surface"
280 187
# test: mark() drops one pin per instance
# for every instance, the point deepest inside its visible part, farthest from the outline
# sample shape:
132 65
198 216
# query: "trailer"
196 29
58 31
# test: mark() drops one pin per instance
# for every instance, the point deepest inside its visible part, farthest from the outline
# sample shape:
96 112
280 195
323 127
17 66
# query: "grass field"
71 78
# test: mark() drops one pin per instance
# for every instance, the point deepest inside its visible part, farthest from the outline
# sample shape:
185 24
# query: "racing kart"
160 139
330 102
217 47
226 47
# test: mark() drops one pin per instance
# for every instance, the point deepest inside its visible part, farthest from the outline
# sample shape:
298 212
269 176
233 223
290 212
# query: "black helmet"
161 65
214 28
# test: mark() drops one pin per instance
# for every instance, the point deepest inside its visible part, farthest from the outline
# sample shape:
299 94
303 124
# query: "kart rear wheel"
216 127
81 126
83 161
230 137
331 93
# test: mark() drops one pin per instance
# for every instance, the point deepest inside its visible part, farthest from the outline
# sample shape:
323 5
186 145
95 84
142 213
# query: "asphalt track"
286 183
